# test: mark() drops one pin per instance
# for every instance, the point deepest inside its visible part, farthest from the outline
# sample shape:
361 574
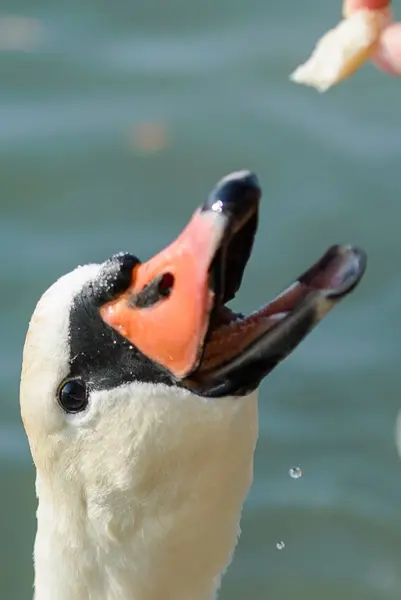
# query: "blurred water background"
116 119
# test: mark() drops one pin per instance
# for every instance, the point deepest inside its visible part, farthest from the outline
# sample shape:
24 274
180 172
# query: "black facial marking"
98 354
114 278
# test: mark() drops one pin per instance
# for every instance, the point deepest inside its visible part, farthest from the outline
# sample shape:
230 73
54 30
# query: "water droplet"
295 472
280 545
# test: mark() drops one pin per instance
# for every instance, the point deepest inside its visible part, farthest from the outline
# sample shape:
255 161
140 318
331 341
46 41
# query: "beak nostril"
166 284
158 289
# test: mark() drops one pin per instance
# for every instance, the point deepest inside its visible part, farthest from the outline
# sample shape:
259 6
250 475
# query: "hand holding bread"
365 33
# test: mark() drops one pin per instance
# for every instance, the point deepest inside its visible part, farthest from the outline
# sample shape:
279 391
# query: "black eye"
72 395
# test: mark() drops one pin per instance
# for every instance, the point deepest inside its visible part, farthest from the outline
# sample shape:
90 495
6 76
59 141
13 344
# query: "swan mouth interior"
240 350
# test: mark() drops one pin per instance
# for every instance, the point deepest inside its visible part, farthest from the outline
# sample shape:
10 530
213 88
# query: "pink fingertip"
351 6
388 55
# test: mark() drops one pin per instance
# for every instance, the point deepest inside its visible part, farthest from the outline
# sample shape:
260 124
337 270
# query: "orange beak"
165 311
174 308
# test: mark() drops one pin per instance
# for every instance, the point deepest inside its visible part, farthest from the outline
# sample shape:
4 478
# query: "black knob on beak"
237 195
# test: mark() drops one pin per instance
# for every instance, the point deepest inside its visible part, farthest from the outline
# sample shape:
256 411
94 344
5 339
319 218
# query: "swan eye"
72 395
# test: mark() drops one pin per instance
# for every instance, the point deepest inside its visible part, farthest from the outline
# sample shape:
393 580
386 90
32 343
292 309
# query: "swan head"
138 396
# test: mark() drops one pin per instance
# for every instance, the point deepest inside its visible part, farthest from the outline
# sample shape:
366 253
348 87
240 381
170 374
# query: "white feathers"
45 358
140 496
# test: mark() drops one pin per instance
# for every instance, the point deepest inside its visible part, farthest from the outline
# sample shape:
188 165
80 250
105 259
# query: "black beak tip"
236 195
354 262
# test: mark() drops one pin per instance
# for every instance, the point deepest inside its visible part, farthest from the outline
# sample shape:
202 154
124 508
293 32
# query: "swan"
139 400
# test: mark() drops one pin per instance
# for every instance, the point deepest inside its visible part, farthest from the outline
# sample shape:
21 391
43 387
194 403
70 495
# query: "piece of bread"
341 52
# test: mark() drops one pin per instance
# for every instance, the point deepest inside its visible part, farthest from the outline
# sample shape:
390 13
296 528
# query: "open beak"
175 312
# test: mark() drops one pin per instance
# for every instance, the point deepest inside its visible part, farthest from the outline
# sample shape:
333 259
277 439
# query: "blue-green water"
83 175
